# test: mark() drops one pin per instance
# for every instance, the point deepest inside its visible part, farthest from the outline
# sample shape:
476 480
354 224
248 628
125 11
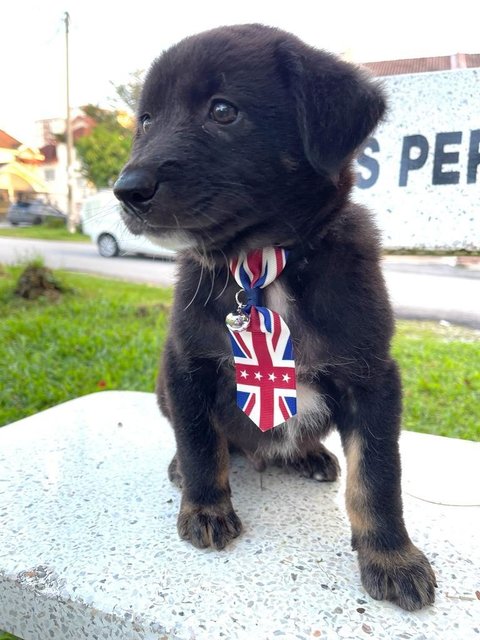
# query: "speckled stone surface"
89 548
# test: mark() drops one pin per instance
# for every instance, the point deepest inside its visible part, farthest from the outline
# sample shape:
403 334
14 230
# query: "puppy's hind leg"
319 464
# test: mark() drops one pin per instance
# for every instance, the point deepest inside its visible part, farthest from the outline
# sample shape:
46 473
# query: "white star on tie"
272 376
286 377
258 375
244 374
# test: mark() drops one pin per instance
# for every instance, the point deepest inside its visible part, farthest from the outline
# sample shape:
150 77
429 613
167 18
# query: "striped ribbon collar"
261 342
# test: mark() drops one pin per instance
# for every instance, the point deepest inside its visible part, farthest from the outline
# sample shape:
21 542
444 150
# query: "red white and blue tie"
261 343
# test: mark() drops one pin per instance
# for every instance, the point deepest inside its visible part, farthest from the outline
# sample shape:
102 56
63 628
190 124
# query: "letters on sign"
447 149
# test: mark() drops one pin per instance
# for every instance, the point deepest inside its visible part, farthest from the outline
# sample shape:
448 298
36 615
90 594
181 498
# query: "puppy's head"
244 139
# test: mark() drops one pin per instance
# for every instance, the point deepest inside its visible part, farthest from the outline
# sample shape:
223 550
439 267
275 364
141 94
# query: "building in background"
51 140
20 176
424 65
40 171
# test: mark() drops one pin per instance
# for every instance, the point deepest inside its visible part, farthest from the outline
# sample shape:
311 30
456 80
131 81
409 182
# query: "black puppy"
245 140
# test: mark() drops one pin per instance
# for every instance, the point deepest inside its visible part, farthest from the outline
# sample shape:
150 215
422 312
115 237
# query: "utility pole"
70 209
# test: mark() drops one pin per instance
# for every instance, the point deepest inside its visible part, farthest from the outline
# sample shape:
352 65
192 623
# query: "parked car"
32 212
101 219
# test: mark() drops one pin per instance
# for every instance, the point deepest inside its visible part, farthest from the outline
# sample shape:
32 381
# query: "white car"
101 220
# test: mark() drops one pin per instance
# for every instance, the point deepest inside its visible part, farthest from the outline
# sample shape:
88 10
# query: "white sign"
420 172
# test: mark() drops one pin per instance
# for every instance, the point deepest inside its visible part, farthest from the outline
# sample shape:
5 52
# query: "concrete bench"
89 547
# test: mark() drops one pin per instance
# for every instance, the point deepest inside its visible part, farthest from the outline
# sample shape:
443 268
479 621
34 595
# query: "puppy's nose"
135 187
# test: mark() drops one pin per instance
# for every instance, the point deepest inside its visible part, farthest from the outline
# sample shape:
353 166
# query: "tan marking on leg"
392 559
357 499
223 463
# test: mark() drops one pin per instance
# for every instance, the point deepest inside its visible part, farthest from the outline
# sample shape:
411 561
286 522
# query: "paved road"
424 288
420 293
84 257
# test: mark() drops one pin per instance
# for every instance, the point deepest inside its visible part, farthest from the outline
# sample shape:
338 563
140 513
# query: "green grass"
41 232
106 334
441 377
109 334
7 636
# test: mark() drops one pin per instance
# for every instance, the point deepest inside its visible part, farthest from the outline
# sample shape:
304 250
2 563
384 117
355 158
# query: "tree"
105 150
129 93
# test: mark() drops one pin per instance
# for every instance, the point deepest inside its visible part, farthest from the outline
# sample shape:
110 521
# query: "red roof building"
422 65
7 141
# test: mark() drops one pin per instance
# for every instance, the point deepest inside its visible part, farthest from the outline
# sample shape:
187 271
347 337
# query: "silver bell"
237 320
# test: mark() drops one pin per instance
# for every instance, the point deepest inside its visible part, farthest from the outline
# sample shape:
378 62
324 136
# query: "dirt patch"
37 281
143 310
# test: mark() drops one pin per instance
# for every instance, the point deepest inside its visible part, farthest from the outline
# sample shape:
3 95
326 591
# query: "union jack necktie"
261 343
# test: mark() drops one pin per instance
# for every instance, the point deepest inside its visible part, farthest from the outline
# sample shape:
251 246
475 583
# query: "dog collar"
261 342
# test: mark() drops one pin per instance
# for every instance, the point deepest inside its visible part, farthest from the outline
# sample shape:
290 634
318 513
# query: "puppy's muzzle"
135 188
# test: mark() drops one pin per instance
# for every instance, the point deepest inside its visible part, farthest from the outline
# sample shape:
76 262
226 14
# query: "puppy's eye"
223 112
146 122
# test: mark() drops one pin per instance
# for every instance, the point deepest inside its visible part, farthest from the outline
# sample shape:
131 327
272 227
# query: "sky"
108 40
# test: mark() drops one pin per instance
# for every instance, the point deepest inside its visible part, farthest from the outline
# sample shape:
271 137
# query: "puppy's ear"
337 104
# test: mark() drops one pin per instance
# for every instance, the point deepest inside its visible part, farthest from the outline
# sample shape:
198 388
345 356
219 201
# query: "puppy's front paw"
208 526
404 577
